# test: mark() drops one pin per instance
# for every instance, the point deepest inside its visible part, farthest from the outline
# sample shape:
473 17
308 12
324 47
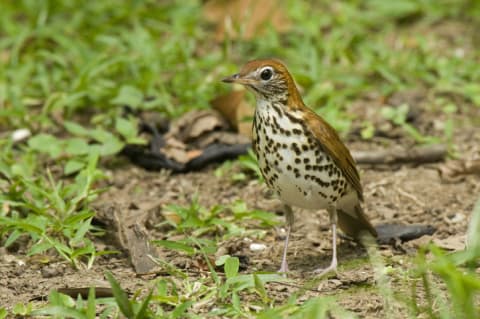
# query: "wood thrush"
300 155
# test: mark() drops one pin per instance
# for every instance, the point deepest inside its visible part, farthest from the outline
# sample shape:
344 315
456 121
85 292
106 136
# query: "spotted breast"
292 161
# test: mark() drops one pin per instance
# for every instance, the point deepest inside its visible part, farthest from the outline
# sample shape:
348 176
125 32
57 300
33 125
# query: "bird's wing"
333 146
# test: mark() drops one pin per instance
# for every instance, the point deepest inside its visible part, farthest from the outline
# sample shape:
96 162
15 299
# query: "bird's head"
268 79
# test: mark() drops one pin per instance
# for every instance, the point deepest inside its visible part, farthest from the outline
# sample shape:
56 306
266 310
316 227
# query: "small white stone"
257 247
458 217
21 134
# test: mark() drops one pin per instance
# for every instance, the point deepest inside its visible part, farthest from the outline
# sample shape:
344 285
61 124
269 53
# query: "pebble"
257 247
51 271
20 135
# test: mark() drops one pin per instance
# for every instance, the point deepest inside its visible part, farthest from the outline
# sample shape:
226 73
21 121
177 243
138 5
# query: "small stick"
417 154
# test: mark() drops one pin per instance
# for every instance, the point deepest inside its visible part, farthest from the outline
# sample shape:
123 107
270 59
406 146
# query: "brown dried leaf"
223 138
175 149
172 217
455 243
196 123
193 154
250 16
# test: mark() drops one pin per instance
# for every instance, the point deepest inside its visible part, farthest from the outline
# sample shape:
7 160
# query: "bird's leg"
289 218
332 213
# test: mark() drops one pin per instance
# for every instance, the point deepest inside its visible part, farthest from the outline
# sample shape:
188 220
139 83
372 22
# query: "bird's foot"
323 271
283 269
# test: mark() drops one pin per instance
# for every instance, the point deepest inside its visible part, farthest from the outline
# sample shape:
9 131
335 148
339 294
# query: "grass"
76 76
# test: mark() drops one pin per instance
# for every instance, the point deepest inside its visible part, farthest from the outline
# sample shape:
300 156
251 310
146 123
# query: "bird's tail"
351 218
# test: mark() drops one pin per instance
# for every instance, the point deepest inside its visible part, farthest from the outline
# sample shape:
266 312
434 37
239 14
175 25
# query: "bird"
301 156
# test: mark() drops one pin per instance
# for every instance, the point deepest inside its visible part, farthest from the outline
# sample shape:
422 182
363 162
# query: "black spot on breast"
295 148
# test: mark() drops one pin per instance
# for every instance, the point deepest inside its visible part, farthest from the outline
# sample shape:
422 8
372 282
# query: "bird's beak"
232 79
237 78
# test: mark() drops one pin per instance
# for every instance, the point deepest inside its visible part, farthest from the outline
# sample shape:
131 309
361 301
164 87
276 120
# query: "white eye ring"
266 73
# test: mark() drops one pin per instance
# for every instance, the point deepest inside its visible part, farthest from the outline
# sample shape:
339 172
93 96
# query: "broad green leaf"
221 260
127 128
128 95
231 267
46 143
85 226
77 146
39 247
73 166
110 147
76 129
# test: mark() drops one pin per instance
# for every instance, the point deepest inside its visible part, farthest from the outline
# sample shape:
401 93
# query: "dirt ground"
410 194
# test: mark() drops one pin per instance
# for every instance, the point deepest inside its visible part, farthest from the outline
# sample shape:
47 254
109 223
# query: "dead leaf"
244 18
172 217
454 243
127 229
193 154
175 149
196 123
222 138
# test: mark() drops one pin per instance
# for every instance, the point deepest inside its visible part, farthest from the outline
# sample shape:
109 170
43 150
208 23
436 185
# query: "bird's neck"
289 101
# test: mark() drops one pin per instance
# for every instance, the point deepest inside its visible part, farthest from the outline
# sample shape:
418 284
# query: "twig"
416 154
412 197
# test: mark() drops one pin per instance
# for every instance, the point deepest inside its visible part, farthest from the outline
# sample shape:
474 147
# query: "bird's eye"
266 74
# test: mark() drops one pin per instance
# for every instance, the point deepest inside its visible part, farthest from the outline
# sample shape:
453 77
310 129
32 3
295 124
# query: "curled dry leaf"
175 149
189 128
229 138
195 123
455 243
249 16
